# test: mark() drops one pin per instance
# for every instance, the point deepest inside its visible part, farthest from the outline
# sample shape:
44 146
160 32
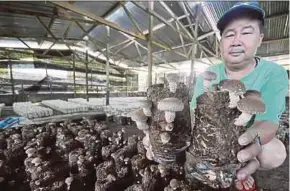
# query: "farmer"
241 29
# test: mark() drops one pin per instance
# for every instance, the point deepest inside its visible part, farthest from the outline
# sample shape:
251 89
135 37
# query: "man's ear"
261 39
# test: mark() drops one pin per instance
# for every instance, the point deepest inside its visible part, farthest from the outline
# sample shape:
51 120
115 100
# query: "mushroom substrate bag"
211 157
180 133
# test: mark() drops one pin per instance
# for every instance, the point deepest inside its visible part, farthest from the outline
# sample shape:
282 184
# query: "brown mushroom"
253 94
208 76
248 107
140 118
235 88
174 184
146 105
170 106
165 137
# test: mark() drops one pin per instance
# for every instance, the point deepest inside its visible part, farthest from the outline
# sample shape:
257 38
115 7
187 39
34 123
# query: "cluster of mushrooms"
219 173
168 106
222 114
247 101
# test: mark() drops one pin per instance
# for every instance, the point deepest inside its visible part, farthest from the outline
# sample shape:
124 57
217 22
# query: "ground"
276 179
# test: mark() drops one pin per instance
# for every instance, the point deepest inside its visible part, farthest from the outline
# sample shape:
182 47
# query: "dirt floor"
273 180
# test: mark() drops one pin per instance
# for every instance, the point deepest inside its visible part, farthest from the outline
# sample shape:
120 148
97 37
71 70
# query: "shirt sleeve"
274 96
197 91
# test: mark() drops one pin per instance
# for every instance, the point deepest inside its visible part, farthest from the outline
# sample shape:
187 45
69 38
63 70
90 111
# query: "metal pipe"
87 86
107 68
11 77
74 75
191 77
91 78
46 69
150 58
50 88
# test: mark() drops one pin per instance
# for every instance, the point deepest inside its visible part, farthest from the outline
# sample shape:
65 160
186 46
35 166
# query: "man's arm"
265 125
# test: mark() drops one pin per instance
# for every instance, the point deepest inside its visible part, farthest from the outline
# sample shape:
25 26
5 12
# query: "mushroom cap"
208 75
68 180
170 104
30 151
251 106
146 103
138 115
235 86
253 93
174 183
172 77
165 136
36 160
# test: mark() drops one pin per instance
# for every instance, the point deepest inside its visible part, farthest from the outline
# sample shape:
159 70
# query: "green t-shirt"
269 78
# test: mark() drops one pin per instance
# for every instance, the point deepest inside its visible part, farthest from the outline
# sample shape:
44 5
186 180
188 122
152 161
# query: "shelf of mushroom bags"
50 111
118 111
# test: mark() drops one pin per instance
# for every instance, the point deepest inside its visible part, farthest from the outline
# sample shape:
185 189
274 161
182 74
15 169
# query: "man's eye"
229 35
246 33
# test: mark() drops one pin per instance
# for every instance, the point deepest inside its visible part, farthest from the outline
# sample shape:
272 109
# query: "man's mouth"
236 53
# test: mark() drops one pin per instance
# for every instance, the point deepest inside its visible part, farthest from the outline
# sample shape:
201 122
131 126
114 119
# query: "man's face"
240 40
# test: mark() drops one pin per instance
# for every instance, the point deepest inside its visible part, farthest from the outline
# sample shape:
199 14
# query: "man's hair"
248 15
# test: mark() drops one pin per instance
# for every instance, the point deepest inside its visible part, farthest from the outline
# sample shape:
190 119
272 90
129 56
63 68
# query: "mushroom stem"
147 111
233 100
169 116
149 154
206 85
242 119
142 125
146 142
172 86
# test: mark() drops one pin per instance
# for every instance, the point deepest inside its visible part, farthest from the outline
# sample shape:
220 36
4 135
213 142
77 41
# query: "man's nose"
236 41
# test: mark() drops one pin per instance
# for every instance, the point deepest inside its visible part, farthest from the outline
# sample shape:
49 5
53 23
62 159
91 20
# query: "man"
241 29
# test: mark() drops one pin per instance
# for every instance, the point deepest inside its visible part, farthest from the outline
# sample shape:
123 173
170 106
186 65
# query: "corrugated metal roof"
20 25
13 24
